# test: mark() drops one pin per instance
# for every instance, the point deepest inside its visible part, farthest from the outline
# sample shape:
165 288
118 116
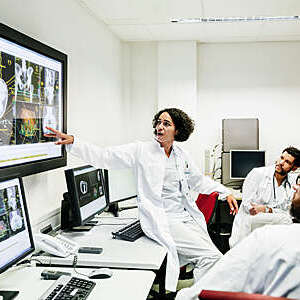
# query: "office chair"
220 295
207 204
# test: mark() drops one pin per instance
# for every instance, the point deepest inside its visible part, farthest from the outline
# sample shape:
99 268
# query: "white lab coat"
259 188
266 262
148 162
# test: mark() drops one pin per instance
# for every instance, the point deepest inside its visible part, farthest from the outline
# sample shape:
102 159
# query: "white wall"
177 75
234 80
256 80
140 88
94 82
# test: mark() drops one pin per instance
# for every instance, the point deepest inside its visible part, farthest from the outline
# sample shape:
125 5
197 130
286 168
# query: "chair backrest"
207 204
220 295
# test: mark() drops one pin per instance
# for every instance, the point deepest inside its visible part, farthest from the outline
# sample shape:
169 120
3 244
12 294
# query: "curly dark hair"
295 153
183 123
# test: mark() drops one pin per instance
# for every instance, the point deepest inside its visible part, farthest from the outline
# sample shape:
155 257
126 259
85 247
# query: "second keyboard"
130 232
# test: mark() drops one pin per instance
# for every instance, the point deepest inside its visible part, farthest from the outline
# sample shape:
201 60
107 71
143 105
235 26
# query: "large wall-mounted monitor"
33 94
243 161
85 198
16 240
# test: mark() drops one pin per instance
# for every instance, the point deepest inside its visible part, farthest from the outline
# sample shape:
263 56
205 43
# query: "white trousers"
244 224
194 246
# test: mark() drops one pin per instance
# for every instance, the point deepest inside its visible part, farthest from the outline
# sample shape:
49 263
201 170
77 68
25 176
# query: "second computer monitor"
121 185
86 195
243 161
16 240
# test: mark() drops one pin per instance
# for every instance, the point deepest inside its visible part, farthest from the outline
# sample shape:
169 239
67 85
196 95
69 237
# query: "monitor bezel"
242 150
73 196
106 180
29 168
32 248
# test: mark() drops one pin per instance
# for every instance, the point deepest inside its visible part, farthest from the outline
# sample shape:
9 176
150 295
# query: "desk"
124 284
144 254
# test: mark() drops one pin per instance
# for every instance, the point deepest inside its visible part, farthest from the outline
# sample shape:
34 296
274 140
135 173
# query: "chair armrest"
221 295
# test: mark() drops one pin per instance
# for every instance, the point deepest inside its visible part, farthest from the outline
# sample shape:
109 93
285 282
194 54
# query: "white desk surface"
124 284
144 253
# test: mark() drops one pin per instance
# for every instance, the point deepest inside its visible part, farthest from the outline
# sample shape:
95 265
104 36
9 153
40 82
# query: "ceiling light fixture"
234 19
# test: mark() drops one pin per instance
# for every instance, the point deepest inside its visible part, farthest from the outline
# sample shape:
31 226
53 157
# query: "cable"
28 261
75 259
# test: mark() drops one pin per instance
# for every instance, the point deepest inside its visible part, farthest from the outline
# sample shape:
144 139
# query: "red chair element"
220 295
207 204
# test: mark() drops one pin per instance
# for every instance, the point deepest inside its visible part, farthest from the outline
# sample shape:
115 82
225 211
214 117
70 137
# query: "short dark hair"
295 153
183 123
295 213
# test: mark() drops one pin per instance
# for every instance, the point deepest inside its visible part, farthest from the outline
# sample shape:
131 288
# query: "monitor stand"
8 295
114 209
86 227
81 228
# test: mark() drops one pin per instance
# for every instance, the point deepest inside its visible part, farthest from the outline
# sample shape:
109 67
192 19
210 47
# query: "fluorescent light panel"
235 19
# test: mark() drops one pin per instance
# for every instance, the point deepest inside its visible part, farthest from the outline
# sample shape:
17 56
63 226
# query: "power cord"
28 261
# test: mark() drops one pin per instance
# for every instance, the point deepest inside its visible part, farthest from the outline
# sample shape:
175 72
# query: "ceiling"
149 20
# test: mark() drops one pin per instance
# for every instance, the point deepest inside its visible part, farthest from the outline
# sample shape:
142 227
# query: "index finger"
52 129
236 207
296 187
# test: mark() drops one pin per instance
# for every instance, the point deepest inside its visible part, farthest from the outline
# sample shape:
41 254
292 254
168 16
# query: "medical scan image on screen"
30 100
11 216
90 191
14 232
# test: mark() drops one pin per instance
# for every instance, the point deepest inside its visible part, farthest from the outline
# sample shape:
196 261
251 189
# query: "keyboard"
69 288
130 232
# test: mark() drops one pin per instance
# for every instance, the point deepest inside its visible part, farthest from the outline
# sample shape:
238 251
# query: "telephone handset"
58 245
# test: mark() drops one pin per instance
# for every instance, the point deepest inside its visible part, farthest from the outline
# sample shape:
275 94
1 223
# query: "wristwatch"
268 209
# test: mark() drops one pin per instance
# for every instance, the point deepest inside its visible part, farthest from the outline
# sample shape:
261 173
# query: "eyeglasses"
164 123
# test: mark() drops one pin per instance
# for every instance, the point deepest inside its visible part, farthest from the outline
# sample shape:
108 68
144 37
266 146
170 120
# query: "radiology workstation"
87 252
98 251
99 257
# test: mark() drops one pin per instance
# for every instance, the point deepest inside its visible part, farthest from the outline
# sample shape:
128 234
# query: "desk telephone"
57 245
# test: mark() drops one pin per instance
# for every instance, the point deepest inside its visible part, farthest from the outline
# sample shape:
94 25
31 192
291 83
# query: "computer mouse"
100 273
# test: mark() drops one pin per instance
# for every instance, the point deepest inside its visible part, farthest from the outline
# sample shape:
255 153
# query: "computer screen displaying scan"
121 185
243 161
86 195
15 232
32 96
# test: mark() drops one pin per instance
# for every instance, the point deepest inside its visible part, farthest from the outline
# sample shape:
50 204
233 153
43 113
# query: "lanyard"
285 182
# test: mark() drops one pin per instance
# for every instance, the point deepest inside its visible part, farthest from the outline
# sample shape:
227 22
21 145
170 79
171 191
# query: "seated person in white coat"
267 194
165 175
266 262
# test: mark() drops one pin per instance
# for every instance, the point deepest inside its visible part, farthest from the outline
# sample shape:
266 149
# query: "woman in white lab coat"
165 175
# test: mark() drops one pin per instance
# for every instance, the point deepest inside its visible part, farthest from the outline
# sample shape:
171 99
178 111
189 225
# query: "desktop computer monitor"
16 240
120 186
85 198
243 161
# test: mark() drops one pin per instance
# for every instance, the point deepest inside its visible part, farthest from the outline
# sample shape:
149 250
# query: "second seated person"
165 176
267 194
